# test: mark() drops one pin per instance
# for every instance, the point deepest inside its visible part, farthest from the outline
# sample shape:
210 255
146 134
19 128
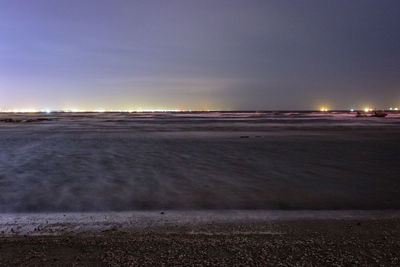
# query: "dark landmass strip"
10 120
278 243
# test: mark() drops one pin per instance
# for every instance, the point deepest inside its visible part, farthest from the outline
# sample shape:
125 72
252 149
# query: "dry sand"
231 238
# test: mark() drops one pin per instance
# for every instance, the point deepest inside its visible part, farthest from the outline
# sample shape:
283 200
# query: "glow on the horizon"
25 110
159 110
73 110
89 111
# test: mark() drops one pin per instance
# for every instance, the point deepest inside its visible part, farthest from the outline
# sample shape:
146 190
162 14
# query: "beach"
232 239
199 133
199 188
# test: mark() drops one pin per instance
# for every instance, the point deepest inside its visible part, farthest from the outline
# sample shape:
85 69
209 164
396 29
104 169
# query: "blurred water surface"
198 160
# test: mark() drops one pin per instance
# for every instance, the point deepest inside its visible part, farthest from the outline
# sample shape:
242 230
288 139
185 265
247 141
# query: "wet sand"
317 240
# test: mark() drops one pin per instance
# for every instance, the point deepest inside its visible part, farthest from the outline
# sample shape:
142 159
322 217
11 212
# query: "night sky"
199 54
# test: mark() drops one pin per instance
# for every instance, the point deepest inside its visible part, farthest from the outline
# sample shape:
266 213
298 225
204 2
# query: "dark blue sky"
105 54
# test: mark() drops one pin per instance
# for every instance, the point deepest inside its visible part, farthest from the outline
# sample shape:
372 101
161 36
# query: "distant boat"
379 113
376 113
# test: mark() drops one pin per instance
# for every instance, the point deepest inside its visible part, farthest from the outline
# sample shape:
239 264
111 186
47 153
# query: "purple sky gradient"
231 54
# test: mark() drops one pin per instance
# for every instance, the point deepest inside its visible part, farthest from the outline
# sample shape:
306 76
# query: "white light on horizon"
83 111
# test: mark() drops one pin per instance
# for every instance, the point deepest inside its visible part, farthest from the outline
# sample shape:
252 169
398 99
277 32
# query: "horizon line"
188 111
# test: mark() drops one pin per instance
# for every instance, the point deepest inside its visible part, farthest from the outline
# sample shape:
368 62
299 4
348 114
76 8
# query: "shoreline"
36 224
356 238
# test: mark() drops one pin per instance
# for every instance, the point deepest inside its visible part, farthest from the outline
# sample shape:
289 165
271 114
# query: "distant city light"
48 111
22 111
84 111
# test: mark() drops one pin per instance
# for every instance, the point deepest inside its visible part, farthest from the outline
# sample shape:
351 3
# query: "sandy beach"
228 238
199 133
199 189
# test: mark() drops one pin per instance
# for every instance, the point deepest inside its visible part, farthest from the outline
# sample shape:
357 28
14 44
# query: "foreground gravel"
279 243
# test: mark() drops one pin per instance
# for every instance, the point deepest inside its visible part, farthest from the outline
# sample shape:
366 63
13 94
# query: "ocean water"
63 162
